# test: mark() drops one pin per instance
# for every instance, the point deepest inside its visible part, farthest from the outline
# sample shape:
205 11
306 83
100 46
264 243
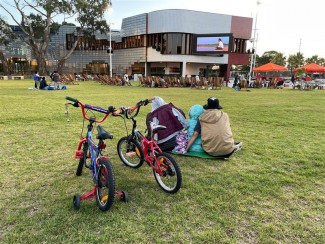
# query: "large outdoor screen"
212 43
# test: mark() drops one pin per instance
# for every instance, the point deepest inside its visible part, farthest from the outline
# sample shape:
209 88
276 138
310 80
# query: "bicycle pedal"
78 154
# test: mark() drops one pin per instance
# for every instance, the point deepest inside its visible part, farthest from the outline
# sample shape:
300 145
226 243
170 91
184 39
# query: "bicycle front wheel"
105 192
171 178
130 152
82 161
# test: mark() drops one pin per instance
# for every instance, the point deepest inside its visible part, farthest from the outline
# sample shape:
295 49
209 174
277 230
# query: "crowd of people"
41 83
211 82
113 81
207 130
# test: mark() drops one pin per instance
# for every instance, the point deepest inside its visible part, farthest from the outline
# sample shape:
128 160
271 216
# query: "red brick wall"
241 27
238 58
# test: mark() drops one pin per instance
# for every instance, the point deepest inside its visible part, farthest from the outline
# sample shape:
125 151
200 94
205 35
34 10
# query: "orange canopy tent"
312 68
269 67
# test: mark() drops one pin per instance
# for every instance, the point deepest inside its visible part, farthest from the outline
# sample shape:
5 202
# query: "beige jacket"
216 133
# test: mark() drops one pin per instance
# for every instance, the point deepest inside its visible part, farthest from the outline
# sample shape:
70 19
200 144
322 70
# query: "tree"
40 21
295 60
91 19
6 36
322 62
265 58
279 59
314 59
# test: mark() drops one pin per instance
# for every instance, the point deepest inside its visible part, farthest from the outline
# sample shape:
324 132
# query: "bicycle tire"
82 161
105 176
130 152
76 202
171 172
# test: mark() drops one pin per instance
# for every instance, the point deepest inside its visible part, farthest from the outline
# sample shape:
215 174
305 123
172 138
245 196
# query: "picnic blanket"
198 154
49 88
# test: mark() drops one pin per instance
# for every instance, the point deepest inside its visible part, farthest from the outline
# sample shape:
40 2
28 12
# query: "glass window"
169 43
179 44
183 43
164 44
187 51
174 49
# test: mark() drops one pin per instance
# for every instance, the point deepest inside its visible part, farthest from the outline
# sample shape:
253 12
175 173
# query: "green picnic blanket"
198 154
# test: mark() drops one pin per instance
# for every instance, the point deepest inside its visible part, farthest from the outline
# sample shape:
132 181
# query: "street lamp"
253 58
109 11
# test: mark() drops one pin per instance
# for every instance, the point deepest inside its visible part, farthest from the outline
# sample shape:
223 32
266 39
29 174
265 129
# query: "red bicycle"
136 148
100 166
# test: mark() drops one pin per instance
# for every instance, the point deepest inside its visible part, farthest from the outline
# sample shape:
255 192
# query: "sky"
286 26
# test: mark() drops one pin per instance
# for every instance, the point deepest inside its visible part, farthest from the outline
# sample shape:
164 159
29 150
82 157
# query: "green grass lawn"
270 192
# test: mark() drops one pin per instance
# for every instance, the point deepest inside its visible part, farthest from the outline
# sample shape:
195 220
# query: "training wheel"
125 196
76 202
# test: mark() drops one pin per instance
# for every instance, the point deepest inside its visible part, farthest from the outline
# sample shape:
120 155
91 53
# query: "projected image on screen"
212 44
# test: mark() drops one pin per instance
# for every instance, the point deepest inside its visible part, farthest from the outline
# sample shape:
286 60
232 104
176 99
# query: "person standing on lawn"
56 80
37 80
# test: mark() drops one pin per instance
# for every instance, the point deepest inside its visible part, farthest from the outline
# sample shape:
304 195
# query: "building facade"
165 42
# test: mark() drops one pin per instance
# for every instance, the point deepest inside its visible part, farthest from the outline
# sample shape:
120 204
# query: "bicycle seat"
103 134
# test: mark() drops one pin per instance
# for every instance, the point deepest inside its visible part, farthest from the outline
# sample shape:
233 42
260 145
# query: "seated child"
43 84
184 136
194 113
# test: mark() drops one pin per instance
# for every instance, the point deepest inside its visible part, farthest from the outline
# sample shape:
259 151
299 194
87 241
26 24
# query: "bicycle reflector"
79 154
102 146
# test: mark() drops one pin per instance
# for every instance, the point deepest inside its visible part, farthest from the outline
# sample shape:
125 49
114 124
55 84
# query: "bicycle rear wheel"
105 192
171 179
130 152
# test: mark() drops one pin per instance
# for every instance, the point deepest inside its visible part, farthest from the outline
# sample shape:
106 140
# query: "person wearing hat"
214 127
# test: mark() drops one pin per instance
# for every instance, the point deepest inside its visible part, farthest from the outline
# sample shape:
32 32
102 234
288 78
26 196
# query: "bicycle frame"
94 149
95 153
150 146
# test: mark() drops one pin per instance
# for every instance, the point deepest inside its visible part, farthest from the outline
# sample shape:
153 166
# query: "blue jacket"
194 113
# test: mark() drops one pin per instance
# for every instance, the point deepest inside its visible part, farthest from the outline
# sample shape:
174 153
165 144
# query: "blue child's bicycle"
100 166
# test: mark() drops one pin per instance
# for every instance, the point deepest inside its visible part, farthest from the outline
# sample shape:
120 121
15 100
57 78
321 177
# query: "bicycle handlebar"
110 110
136 107
72 99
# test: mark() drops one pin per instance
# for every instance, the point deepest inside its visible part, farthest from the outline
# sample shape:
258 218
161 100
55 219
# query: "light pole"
110 38
254 40
254 58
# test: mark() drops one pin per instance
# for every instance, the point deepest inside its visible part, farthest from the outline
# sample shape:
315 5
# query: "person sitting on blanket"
43 84
216 135
194 113
184 136
168 115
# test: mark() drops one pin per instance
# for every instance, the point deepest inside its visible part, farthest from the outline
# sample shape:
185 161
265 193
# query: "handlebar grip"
72 99
111 109
145 102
